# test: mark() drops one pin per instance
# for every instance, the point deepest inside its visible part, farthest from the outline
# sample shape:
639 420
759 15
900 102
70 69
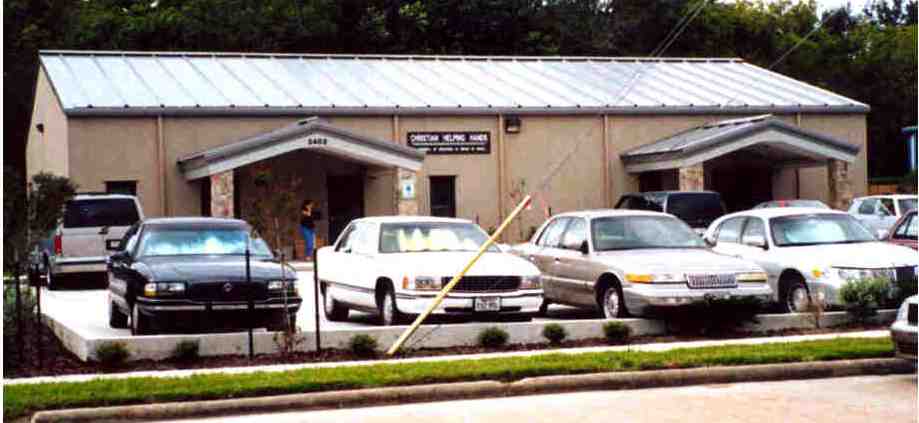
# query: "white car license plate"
488 304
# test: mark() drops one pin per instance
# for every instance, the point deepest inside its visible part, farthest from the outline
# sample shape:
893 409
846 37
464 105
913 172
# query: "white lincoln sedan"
396 265
809 253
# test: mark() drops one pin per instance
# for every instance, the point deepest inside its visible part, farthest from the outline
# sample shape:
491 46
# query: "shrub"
555 333
616 332
493 337
112 353
363 345
863 297
185 350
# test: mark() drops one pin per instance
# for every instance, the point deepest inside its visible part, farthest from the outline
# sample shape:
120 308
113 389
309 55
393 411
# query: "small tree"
273 207
863 297
30 212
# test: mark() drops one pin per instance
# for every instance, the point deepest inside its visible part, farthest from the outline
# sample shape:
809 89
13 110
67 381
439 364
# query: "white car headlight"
155 289
421 283
752 277
531 282
846 274
281 285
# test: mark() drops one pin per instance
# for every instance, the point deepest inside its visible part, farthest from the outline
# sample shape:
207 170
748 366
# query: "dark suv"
697 208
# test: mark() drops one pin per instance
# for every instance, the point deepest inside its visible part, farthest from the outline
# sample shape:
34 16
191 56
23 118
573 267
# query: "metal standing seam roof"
118 83
714 134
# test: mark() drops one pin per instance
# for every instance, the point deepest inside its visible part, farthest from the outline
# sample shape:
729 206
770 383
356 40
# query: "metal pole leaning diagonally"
446 290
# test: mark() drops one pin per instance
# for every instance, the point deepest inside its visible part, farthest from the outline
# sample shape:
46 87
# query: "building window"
443 196
121 187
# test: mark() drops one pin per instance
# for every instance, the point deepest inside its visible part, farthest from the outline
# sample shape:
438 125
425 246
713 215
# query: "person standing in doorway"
308 217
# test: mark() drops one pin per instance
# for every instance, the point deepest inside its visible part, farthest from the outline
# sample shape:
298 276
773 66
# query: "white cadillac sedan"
396 265
809 252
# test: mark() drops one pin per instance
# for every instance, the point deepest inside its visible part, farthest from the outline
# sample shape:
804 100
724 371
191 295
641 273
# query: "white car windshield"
200 241
431 236
815 229
633 232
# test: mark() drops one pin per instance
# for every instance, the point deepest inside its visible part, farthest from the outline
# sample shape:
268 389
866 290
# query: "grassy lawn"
19 400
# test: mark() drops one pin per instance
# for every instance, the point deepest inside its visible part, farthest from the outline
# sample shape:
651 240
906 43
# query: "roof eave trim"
453 111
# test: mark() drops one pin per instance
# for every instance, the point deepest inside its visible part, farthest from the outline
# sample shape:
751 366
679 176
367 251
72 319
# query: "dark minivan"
697 208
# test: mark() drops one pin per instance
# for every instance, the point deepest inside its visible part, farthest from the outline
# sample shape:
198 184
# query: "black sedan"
192 272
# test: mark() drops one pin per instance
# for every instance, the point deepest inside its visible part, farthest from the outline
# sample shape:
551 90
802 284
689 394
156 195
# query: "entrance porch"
264 180
746 160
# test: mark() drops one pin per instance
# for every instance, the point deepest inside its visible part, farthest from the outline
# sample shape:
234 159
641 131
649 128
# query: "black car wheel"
140 324
389 313
116 318
49 278
797 299
611 302
334 311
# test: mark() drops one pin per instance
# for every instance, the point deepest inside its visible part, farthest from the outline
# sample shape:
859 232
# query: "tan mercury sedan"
624 262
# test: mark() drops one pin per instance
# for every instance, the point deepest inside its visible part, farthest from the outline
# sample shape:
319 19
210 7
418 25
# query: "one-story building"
442 135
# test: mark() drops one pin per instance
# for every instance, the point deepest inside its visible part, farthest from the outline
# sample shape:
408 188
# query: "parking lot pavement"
840 400
86 311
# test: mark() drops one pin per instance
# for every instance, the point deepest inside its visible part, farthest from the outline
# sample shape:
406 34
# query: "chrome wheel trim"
135 313
798 299
611 303
388 309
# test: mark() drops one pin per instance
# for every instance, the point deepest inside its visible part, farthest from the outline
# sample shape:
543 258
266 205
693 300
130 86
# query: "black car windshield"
200 241
696 208
633 232
816 229
431 236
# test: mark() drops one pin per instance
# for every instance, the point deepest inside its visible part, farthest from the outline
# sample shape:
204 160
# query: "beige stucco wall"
47 152
540 145
125 148
850 128
116 149
476 174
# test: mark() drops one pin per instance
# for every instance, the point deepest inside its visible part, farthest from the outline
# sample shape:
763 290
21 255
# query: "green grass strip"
19 400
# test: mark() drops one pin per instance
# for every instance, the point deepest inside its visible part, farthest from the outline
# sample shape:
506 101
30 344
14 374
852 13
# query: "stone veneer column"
839 184
222 194
406 206
692 178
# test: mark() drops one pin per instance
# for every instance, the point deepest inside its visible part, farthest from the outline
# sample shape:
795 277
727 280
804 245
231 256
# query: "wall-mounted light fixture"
512 124
40 127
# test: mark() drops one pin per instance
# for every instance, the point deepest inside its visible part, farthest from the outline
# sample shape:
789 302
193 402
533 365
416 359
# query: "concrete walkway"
665 346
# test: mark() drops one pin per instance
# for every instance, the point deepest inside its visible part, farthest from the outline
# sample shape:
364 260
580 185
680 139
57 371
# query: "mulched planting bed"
59 361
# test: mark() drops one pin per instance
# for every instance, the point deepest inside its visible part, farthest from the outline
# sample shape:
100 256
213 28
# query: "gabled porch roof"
310 134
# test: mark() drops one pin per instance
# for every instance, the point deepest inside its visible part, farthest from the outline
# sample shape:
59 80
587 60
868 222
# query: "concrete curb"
482 389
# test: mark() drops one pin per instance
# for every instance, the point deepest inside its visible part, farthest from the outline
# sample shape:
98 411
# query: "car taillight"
58 248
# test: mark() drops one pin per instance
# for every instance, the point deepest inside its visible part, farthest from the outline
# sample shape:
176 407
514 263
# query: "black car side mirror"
584 248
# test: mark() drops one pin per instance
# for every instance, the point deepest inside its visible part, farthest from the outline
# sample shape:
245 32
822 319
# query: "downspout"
798 169
395 186
607 195
161 162
499 152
